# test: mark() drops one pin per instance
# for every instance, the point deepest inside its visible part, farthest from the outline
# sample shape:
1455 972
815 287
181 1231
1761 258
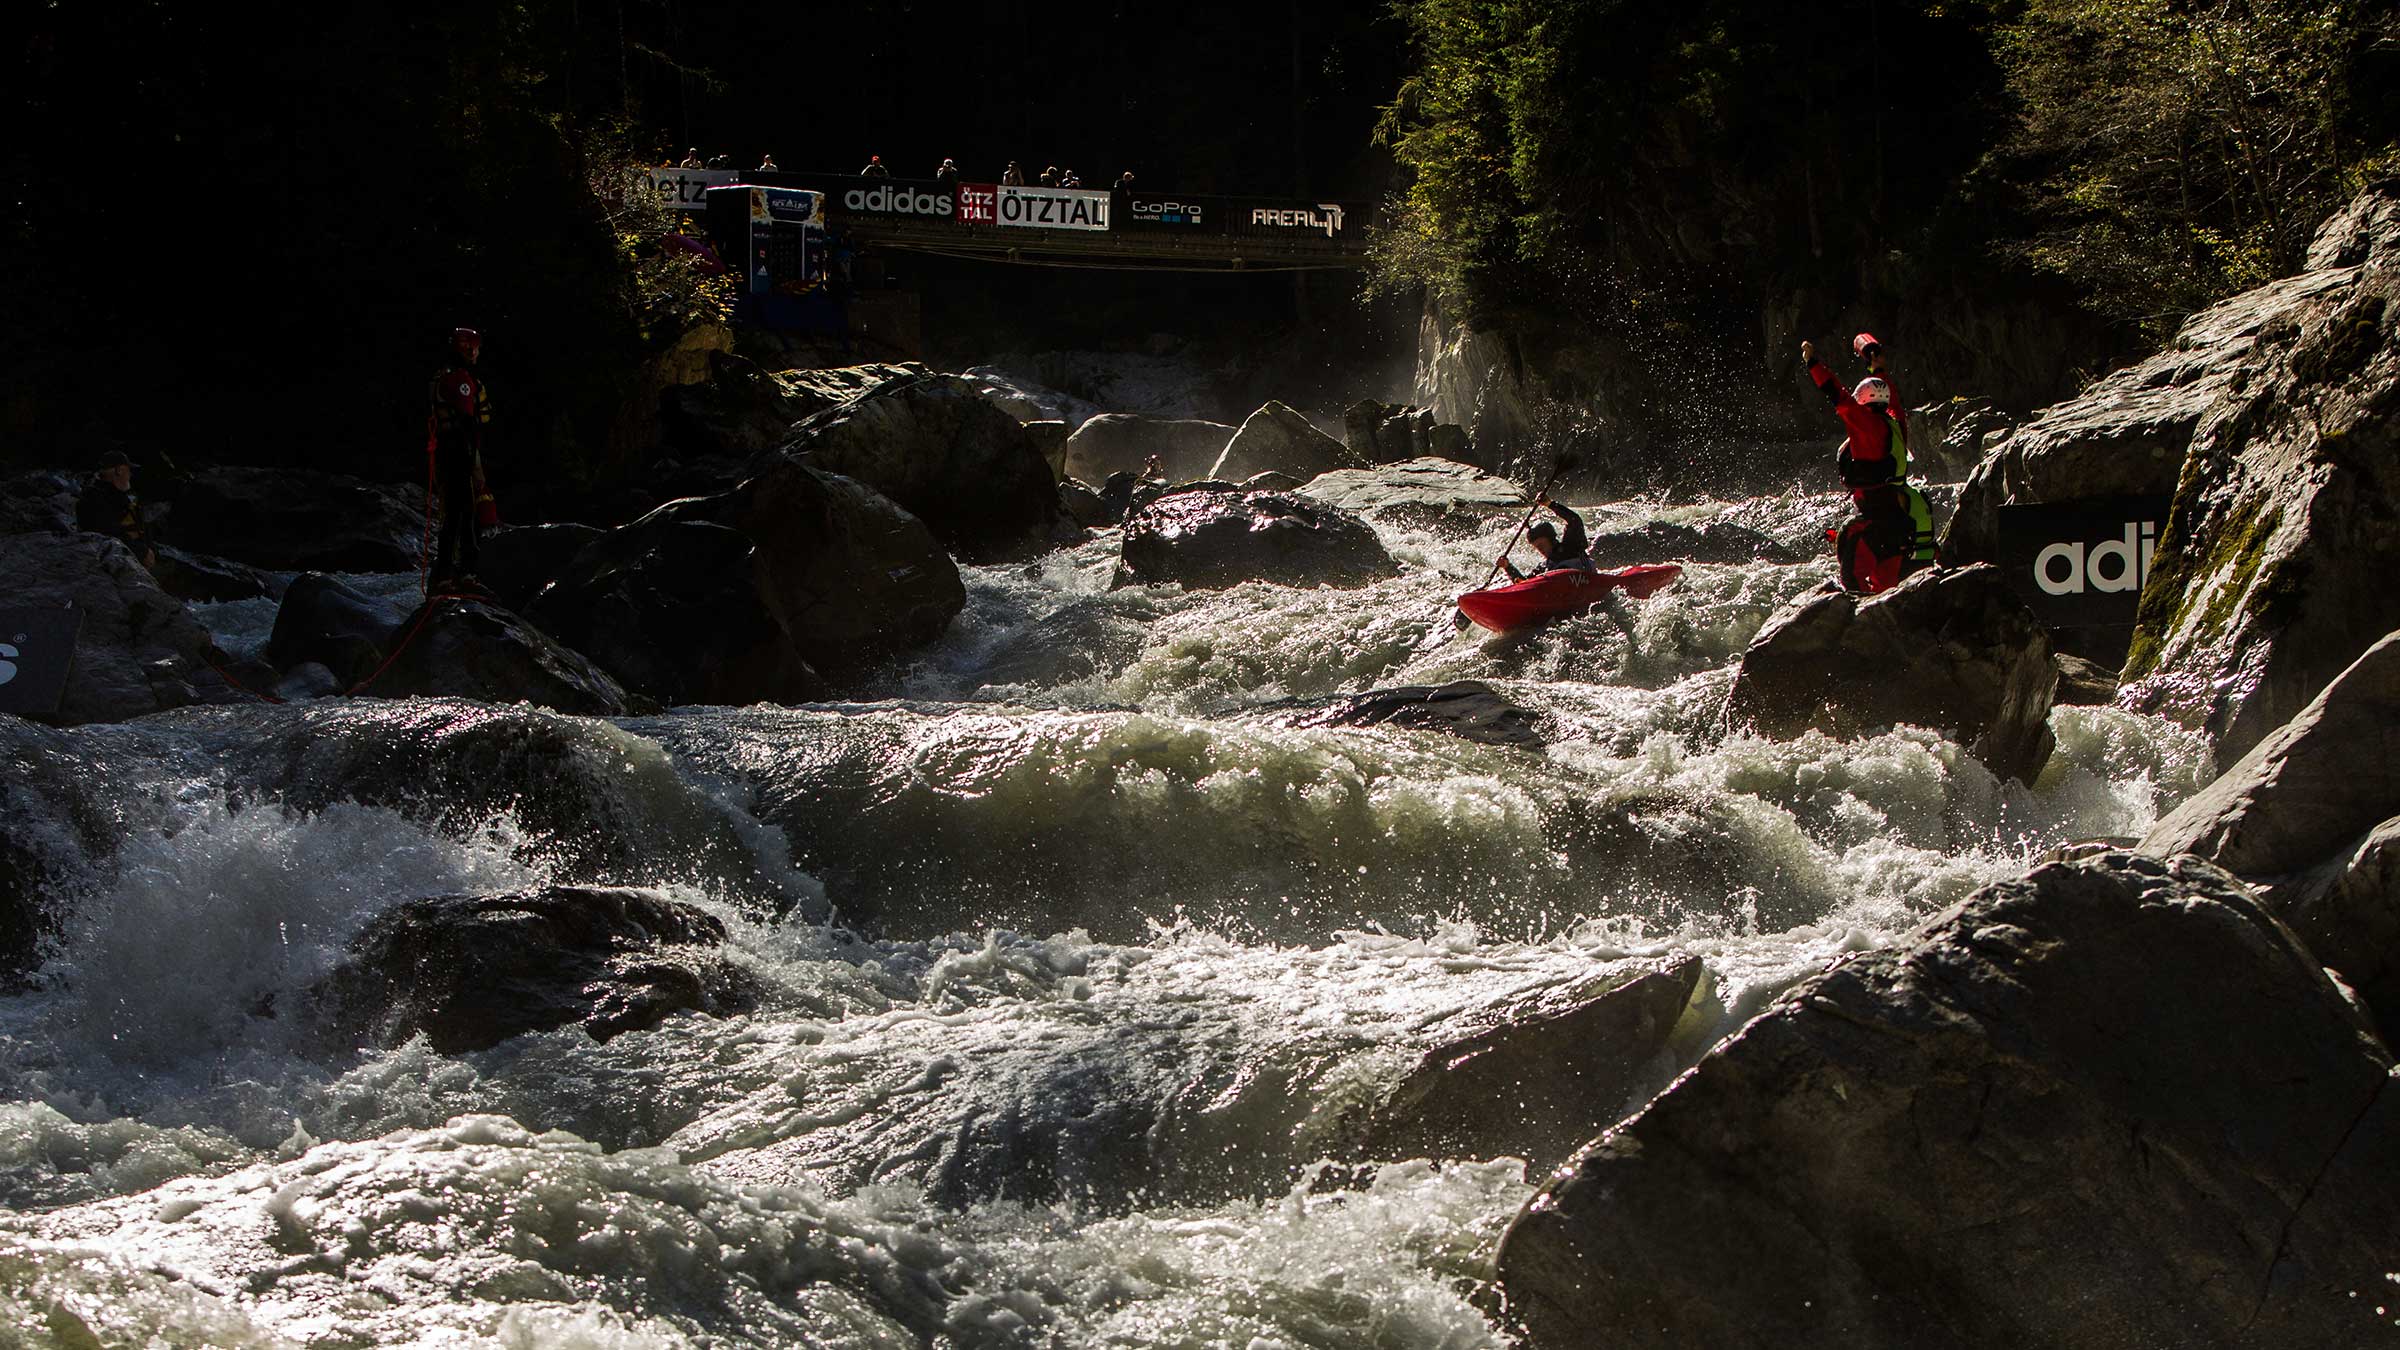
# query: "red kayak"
1505 609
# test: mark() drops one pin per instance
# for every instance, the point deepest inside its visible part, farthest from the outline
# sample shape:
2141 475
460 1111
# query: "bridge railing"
1302 223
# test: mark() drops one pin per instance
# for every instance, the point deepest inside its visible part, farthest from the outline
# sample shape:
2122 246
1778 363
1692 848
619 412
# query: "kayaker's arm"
1575 544
1510 568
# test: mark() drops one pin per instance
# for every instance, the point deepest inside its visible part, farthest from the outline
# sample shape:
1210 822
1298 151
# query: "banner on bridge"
1331 220
1150 211
687 189
1042 208
978 203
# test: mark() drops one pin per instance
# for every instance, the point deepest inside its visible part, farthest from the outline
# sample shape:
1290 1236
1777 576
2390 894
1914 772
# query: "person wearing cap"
460 411
1571 552
946 177
874 168
108 506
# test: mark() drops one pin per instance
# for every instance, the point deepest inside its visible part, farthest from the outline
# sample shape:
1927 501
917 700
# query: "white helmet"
1873 390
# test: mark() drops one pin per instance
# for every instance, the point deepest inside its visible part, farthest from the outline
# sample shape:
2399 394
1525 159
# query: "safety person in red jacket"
459 411
1891 537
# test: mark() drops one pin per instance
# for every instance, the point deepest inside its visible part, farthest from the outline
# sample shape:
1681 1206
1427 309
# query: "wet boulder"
1213 538
758 594
470 649
517 561
2309 817
1277 437
138 650
196 576
2273 571
1049 436
947 455
743 410
327 622
57 816
470 971
1115 443
2084 683
1468 709
297 519
1440 495
1950 648
2111 1103
1533 1080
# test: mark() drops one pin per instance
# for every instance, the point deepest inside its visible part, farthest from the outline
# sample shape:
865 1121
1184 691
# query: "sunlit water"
1080 983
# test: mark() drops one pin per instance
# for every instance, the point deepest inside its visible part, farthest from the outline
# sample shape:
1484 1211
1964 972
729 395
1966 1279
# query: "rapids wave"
1079 983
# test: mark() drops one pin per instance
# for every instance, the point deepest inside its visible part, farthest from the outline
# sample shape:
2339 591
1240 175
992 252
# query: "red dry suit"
1877 451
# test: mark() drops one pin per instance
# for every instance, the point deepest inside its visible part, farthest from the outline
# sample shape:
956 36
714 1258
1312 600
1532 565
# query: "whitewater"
1082 976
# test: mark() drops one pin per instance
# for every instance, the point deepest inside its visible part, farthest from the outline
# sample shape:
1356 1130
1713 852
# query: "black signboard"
877 198
37 657
2080 565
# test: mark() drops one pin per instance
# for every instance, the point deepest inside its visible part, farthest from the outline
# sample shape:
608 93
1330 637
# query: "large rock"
1441 495
297 520
56 815
139 649
470 971
744 410
2273 572
333 624
196 576
1212 538
2308 816
1115 443
950 456
39 501
1277 437
1388 433
2110 1104
469 649
755 594
1531 1083
1468 709
1950 648
517 561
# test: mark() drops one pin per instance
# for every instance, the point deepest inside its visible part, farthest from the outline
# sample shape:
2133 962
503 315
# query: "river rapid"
1080 979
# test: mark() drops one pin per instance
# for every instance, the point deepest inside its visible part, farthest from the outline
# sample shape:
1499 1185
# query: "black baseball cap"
116 459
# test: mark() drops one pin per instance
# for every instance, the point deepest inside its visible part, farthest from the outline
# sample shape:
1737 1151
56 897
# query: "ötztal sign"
1042 208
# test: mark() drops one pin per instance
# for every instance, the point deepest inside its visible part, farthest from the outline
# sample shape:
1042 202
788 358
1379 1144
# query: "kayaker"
1877 448
1558 554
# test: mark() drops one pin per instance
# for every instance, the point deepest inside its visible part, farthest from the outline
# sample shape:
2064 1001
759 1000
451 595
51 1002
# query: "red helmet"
1860 345
463 338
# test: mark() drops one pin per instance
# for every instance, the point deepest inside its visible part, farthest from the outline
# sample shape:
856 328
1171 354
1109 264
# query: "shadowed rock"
138 651
330 623
1278 438
1214 537
2113 1103
946 454
1950 648
1115 443
470 649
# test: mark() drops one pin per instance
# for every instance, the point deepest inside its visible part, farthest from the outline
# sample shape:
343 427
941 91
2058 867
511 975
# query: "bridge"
1065 227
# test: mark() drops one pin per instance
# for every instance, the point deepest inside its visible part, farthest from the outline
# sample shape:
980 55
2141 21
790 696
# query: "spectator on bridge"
1120 199
720 161
767 164
1050 176
691 159
1012 176
946 177
109 507
874 168
1069 178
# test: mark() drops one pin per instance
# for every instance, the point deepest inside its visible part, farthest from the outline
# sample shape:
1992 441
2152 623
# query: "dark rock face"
298 520
334 625
1278 438
1468 709
139 650
469 649
948 455
2308 816
40 501
1115 443
470 971
746 596
2273 572
1214 538
1388 433
196 576
2082 683
1717 541
516 561
743 410
1084 506
53 819
1950 648
2113 1103
1428 494
1532 1083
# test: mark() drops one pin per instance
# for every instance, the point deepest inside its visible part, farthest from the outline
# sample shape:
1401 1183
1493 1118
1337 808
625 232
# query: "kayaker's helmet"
1864 346
466 342
1873 392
